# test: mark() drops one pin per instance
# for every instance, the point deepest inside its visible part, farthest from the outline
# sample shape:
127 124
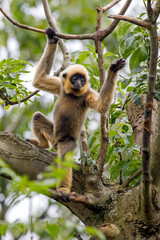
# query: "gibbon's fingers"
51 35
120 63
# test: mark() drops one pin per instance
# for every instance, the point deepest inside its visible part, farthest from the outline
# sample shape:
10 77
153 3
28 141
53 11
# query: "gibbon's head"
75 80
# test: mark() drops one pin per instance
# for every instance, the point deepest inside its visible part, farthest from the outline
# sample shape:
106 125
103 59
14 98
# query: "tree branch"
138 22
110 5
60 35
131 178
104 127
26 158
52 23
110 29
146 173
156 11
9 102
22 25
155 152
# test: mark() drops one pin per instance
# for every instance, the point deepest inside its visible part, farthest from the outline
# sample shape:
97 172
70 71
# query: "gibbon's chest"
70 106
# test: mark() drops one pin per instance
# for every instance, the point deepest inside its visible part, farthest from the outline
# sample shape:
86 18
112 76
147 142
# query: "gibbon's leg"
101 101
62 148
43 131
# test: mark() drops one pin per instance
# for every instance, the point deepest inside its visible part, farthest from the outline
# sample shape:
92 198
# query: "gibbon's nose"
77 85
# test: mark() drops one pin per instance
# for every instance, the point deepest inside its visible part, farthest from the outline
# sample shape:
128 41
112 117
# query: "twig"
22 25
66 55
60 35
53 25
9 102
138 22
109 29
156 10
110 5
131 178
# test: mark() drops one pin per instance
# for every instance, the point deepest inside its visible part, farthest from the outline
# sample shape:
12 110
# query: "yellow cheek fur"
67 87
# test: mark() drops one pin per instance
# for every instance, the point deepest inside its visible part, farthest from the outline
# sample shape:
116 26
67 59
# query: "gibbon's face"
78 81
75 80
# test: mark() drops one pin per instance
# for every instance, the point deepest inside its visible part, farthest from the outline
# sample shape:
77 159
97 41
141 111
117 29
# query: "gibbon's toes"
51 35
31 140
120 63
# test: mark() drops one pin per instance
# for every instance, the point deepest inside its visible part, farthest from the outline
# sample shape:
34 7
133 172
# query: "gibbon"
75 98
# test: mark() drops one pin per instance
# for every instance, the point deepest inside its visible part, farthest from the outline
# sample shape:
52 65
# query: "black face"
78 81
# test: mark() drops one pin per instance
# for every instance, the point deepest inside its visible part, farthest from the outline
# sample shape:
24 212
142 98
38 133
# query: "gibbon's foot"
51 35
32 140
35 142
120 63
63 190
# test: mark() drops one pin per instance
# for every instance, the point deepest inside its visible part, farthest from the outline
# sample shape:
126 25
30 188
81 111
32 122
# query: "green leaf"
95 232
109 54
91 48
143 53
82 57
135 59
130 89
3 228
122 29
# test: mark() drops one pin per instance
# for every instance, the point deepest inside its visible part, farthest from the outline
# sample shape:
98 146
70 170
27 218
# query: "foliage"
11 86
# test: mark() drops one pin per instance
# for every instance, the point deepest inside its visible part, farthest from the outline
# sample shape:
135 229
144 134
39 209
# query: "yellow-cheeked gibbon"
75 97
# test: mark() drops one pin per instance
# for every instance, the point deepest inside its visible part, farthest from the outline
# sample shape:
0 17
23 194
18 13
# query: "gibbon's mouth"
76 89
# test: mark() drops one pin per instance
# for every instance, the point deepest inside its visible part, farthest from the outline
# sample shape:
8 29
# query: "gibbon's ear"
64 75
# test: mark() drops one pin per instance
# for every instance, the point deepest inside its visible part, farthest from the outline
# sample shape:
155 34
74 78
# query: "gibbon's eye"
64 75
83 80
76 77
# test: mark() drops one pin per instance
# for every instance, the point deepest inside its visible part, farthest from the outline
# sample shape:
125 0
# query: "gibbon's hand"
51 35
118 65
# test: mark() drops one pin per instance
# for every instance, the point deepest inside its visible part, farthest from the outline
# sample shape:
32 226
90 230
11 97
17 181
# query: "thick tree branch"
26 158
155 152
146 173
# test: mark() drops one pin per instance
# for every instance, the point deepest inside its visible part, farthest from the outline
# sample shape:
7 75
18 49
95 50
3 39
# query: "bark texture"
136 118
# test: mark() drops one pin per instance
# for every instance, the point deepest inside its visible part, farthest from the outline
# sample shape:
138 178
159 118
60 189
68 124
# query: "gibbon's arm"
42 80
101 101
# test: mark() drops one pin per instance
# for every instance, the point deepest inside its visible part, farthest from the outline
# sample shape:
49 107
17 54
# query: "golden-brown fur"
71 107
